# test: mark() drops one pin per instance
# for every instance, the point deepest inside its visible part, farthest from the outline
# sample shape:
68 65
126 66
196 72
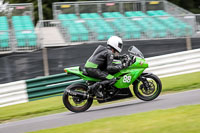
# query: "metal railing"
5 42
129 28
21 9
27 40
115 6
105 6
174 9
50 33
197 27
54 33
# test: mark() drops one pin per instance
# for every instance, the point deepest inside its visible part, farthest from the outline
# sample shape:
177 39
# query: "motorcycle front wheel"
151 90
74 103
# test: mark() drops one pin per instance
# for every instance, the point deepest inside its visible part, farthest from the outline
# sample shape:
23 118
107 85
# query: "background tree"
191 5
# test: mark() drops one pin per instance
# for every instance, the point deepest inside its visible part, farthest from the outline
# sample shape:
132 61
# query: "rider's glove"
126 62
125 65
122 56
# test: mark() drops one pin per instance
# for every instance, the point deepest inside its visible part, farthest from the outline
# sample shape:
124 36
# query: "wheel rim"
77 102
151 91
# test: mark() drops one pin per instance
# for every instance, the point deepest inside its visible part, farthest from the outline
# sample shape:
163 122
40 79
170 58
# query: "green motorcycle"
146 86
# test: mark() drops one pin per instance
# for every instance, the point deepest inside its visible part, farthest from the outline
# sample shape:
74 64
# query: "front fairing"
129 75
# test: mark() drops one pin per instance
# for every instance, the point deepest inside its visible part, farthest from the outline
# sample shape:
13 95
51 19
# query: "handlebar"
128 60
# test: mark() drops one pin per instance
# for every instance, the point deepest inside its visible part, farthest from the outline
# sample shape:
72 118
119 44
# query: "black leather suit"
100 65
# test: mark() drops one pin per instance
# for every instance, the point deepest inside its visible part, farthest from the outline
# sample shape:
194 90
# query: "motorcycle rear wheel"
74 103
153 91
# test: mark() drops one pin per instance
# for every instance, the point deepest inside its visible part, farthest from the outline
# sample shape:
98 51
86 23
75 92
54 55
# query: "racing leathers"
101 65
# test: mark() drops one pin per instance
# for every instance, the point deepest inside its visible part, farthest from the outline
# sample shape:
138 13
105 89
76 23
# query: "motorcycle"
146 86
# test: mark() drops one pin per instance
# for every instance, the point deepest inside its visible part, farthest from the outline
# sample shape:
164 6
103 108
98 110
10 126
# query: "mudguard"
146 74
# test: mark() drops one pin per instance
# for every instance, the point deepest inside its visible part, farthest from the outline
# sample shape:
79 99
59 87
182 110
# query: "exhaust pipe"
76 93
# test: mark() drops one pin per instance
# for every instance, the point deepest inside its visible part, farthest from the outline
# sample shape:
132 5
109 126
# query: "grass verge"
184 119
55 105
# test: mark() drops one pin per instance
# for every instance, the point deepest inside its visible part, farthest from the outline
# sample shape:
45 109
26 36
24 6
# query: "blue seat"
21 40
21 24
31 39
4 40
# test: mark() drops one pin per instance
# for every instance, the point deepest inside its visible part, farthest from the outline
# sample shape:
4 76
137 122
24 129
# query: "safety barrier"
175 64
43 87
13 93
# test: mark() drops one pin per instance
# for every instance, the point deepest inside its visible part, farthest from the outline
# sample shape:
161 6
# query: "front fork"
145 83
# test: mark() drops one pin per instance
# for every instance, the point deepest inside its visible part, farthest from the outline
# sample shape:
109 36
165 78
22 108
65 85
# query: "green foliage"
181 82
184 119
191 5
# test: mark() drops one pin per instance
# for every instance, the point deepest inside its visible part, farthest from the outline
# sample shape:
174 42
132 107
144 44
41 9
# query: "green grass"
181 82
184 119
55 105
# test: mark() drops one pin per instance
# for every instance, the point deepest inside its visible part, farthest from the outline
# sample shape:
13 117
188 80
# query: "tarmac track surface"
116 109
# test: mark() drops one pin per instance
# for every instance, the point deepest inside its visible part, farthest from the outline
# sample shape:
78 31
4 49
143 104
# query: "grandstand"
86 21
96 21
4 33
17 30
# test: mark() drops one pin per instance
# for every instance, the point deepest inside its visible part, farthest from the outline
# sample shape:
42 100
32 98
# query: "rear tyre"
150 93
74 103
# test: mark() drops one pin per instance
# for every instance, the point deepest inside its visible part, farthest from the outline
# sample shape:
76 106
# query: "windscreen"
135 52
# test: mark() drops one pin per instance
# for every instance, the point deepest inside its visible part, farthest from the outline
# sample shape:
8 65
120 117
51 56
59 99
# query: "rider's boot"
97 87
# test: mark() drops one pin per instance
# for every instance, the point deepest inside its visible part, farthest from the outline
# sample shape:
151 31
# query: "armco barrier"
13 93
34 89
50 85
175 64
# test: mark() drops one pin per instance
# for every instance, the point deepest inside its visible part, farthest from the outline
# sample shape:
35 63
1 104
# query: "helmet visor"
120 45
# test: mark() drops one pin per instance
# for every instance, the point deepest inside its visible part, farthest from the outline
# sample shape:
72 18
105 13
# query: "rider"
100 65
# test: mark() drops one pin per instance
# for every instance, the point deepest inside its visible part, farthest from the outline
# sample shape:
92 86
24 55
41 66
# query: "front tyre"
74 103
147 87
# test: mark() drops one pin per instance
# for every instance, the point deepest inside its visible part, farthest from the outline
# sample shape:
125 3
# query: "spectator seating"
174 25
98 26
125 27
24 31
130 25
73 28
150 26
4 33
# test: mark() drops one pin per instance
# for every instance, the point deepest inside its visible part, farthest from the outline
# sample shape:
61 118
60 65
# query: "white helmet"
116 43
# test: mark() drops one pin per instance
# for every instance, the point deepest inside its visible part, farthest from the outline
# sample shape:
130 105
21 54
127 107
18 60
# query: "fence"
21 35
174 9
115 6
5 41
50 33
38 88
95 7
197 23
22 9
80 30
